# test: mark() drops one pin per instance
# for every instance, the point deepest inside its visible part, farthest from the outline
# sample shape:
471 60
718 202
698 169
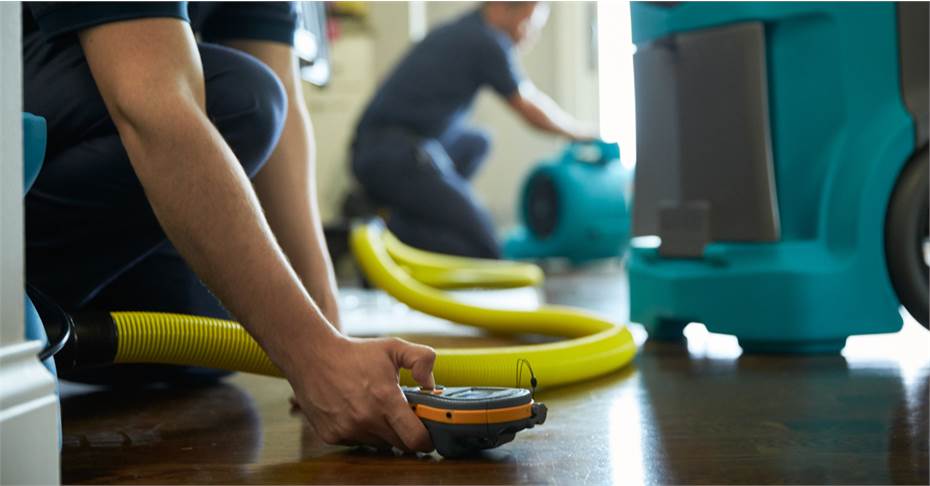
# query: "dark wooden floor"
692 412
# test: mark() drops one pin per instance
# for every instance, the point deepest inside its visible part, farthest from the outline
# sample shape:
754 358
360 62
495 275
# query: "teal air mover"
574 206
34 142
781 181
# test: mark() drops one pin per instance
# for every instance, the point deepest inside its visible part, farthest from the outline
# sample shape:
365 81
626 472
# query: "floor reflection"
859 417
909 435
146 423
625 429
908 349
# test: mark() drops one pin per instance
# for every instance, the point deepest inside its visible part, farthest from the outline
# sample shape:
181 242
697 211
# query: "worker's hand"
584 133
351 396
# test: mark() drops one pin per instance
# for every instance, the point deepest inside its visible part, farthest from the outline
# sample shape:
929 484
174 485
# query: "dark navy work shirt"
214 21
435 83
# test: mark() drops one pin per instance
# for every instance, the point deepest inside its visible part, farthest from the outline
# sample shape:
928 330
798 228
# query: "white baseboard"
29 451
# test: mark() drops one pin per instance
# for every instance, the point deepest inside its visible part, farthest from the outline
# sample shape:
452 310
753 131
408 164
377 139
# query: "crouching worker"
173 162
413 153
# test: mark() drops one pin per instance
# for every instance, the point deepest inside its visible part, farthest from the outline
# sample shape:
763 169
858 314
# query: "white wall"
615 77
559 64
28 405
334 111
391 32
361 56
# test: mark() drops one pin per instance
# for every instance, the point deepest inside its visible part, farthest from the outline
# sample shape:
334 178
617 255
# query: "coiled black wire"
49 309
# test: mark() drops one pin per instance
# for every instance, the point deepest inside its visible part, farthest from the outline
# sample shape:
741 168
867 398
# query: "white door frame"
28 404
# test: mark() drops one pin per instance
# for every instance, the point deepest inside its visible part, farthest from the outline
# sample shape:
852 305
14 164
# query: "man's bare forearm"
149 76
286 186
205 204
544 114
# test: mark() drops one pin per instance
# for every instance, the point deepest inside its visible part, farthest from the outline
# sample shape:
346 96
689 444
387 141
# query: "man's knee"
470 144
246 102
481 143
468 149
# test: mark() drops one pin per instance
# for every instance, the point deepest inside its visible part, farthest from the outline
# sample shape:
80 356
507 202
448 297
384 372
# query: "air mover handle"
591 152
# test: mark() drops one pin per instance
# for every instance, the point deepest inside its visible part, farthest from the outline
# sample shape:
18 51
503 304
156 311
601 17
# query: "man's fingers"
417 358
386 433
408 427
365 439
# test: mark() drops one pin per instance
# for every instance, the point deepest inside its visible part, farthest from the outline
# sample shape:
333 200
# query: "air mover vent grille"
542 206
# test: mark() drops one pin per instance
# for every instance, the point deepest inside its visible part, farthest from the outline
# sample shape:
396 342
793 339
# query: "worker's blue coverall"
413 153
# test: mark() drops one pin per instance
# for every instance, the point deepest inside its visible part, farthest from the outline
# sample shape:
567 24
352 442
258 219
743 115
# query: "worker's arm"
149 74
286 185
541 112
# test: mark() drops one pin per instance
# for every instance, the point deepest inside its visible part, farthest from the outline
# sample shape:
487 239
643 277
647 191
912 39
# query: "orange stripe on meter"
474 417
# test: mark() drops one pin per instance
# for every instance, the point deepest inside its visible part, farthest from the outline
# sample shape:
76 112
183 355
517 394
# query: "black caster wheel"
907 244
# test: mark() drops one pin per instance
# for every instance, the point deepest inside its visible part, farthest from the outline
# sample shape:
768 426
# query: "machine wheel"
907 244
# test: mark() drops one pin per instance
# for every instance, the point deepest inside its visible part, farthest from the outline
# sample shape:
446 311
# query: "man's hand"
351 396
584 133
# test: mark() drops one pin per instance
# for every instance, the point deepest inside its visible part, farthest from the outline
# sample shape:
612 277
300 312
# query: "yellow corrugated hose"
595 345
156 337
452 272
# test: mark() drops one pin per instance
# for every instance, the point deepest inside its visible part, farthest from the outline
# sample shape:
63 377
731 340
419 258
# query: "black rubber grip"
93 342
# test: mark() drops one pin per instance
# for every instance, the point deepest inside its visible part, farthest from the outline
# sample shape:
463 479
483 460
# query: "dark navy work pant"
92 240
424 182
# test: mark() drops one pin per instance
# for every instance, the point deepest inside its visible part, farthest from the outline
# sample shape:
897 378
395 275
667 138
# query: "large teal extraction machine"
783 167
